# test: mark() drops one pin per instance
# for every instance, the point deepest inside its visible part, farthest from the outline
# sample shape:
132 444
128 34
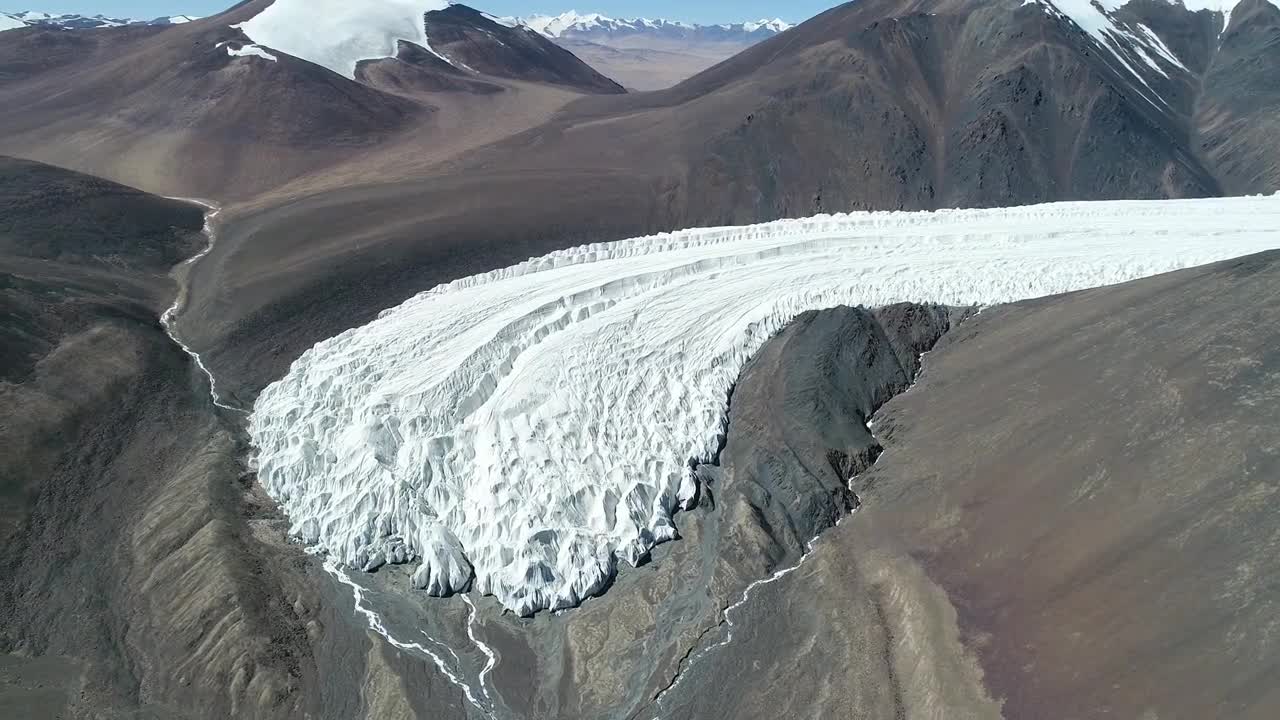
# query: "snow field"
337 34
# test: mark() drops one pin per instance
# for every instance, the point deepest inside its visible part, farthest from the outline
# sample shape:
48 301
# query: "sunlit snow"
250 51
8 22
536 423
1125 40
338 34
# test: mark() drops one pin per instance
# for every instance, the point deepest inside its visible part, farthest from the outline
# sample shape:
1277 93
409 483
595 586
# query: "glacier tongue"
532 425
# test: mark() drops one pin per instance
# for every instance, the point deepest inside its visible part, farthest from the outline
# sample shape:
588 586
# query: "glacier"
336 34
521 431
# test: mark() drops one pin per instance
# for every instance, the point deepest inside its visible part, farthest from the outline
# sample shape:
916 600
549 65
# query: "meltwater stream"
481 702
726 622
183 274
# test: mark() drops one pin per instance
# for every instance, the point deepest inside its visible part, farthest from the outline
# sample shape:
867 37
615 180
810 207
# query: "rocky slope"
1082 484
143 575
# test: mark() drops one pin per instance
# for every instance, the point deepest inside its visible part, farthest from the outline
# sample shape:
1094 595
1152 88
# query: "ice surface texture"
338 34
536 423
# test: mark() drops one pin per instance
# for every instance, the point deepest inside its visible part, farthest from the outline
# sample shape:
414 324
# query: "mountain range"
596 27
646 54
640 53
72 21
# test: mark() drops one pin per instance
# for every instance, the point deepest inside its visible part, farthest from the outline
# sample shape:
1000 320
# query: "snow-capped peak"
338 34
555 25
776 25
575 23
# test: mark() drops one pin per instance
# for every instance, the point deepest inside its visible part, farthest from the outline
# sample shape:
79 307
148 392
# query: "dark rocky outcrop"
468 36
798 416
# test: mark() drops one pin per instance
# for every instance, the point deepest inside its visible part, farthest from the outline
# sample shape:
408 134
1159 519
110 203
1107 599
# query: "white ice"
536 423
338 34
250 51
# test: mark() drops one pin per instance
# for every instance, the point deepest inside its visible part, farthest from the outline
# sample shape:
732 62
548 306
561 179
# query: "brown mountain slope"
1238 114
1130 575
169 109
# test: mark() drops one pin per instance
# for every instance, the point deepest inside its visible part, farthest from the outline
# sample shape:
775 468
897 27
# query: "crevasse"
528 427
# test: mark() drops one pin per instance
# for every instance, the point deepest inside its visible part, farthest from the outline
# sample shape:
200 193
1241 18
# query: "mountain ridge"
77 21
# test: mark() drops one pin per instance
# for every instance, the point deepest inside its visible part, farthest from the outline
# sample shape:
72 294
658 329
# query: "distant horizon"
708 12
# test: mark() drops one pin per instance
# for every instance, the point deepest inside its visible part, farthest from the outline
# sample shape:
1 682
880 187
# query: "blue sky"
703 11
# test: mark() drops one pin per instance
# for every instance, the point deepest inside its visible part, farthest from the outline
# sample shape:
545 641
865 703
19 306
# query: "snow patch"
8 22
538 422
1122 43
251 51
338 34
1154 42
